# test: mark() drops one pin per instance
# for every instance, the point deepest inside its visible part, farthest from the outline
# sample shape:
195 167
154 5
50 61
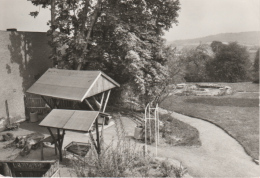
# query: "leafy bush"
168 170
178 133
115 160
173 131
121 158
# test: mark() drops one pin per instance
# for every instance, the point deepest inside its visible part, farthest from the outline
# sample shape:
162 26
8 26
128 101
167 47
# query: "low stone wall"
202 90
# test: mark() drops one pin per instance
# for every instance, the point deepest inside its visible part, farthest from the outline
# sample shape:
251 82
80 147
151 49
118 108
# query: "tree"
195 61
120 37
176 65
256 67
230 64
215 46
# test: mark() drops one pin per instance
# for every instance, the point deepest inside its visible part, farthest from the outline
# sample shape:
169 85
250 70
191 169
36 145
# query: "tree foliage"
230 64
123 38
217 63
176 66
256 67
216 45
194 61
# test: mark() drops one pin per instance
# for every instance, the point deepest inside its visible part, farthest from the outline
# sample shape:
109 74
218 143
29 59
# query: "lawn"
237 114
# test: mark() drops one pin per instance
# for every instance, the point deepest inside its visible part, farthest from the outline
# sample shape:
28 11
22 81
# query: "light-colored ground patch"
219 156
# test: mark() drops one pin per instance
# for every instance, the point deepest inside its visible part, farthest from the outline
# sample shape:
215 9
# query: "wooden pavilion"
78 86
72 85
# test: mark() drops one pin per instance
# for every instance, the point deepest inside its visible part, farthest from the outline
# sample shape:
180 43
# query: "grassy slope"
237 114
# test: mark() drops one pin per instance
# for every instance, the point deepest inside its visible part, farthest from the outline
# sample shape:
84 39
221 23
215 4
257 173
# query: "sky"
197 18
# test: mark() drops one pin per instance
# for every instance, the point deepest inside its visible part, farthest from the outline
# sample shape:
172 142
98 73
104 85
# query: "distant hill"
243 38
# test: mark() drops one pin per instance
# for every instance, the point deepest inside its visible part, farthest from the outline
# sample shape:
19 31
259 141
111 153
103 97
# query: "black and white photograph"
129 88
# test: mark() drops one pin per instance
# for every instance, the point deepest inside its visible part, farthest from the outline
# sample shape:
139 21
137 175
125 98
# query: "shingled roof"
72 84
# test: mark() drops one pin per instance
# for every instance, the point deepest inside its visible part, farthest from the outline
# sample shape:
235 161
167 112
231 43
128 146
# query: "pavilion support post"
97 103
104 108
55 142
105 105
97 131
54 139
100 109
58 134
102 100
92 138
89 105
55 103
58 139
56 152
62 137
97 134
47 102
41 143
59 143
103 123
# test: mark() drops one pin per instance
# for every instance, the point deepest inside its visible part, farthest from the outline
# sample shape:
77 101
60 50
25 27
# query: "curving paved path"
219 156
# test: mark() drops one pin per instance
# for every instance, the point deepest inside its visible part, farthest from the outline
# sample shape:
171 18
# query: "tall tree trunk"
53 26
93 22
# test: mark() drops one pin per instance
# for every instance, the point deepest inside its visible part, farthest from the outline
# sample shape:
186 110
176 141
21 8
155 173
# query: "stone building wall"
24 58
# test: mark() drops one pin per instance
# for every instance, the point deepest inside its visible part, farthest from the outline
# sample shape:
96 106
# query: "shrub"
173 131
168 170
120 158
178 133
